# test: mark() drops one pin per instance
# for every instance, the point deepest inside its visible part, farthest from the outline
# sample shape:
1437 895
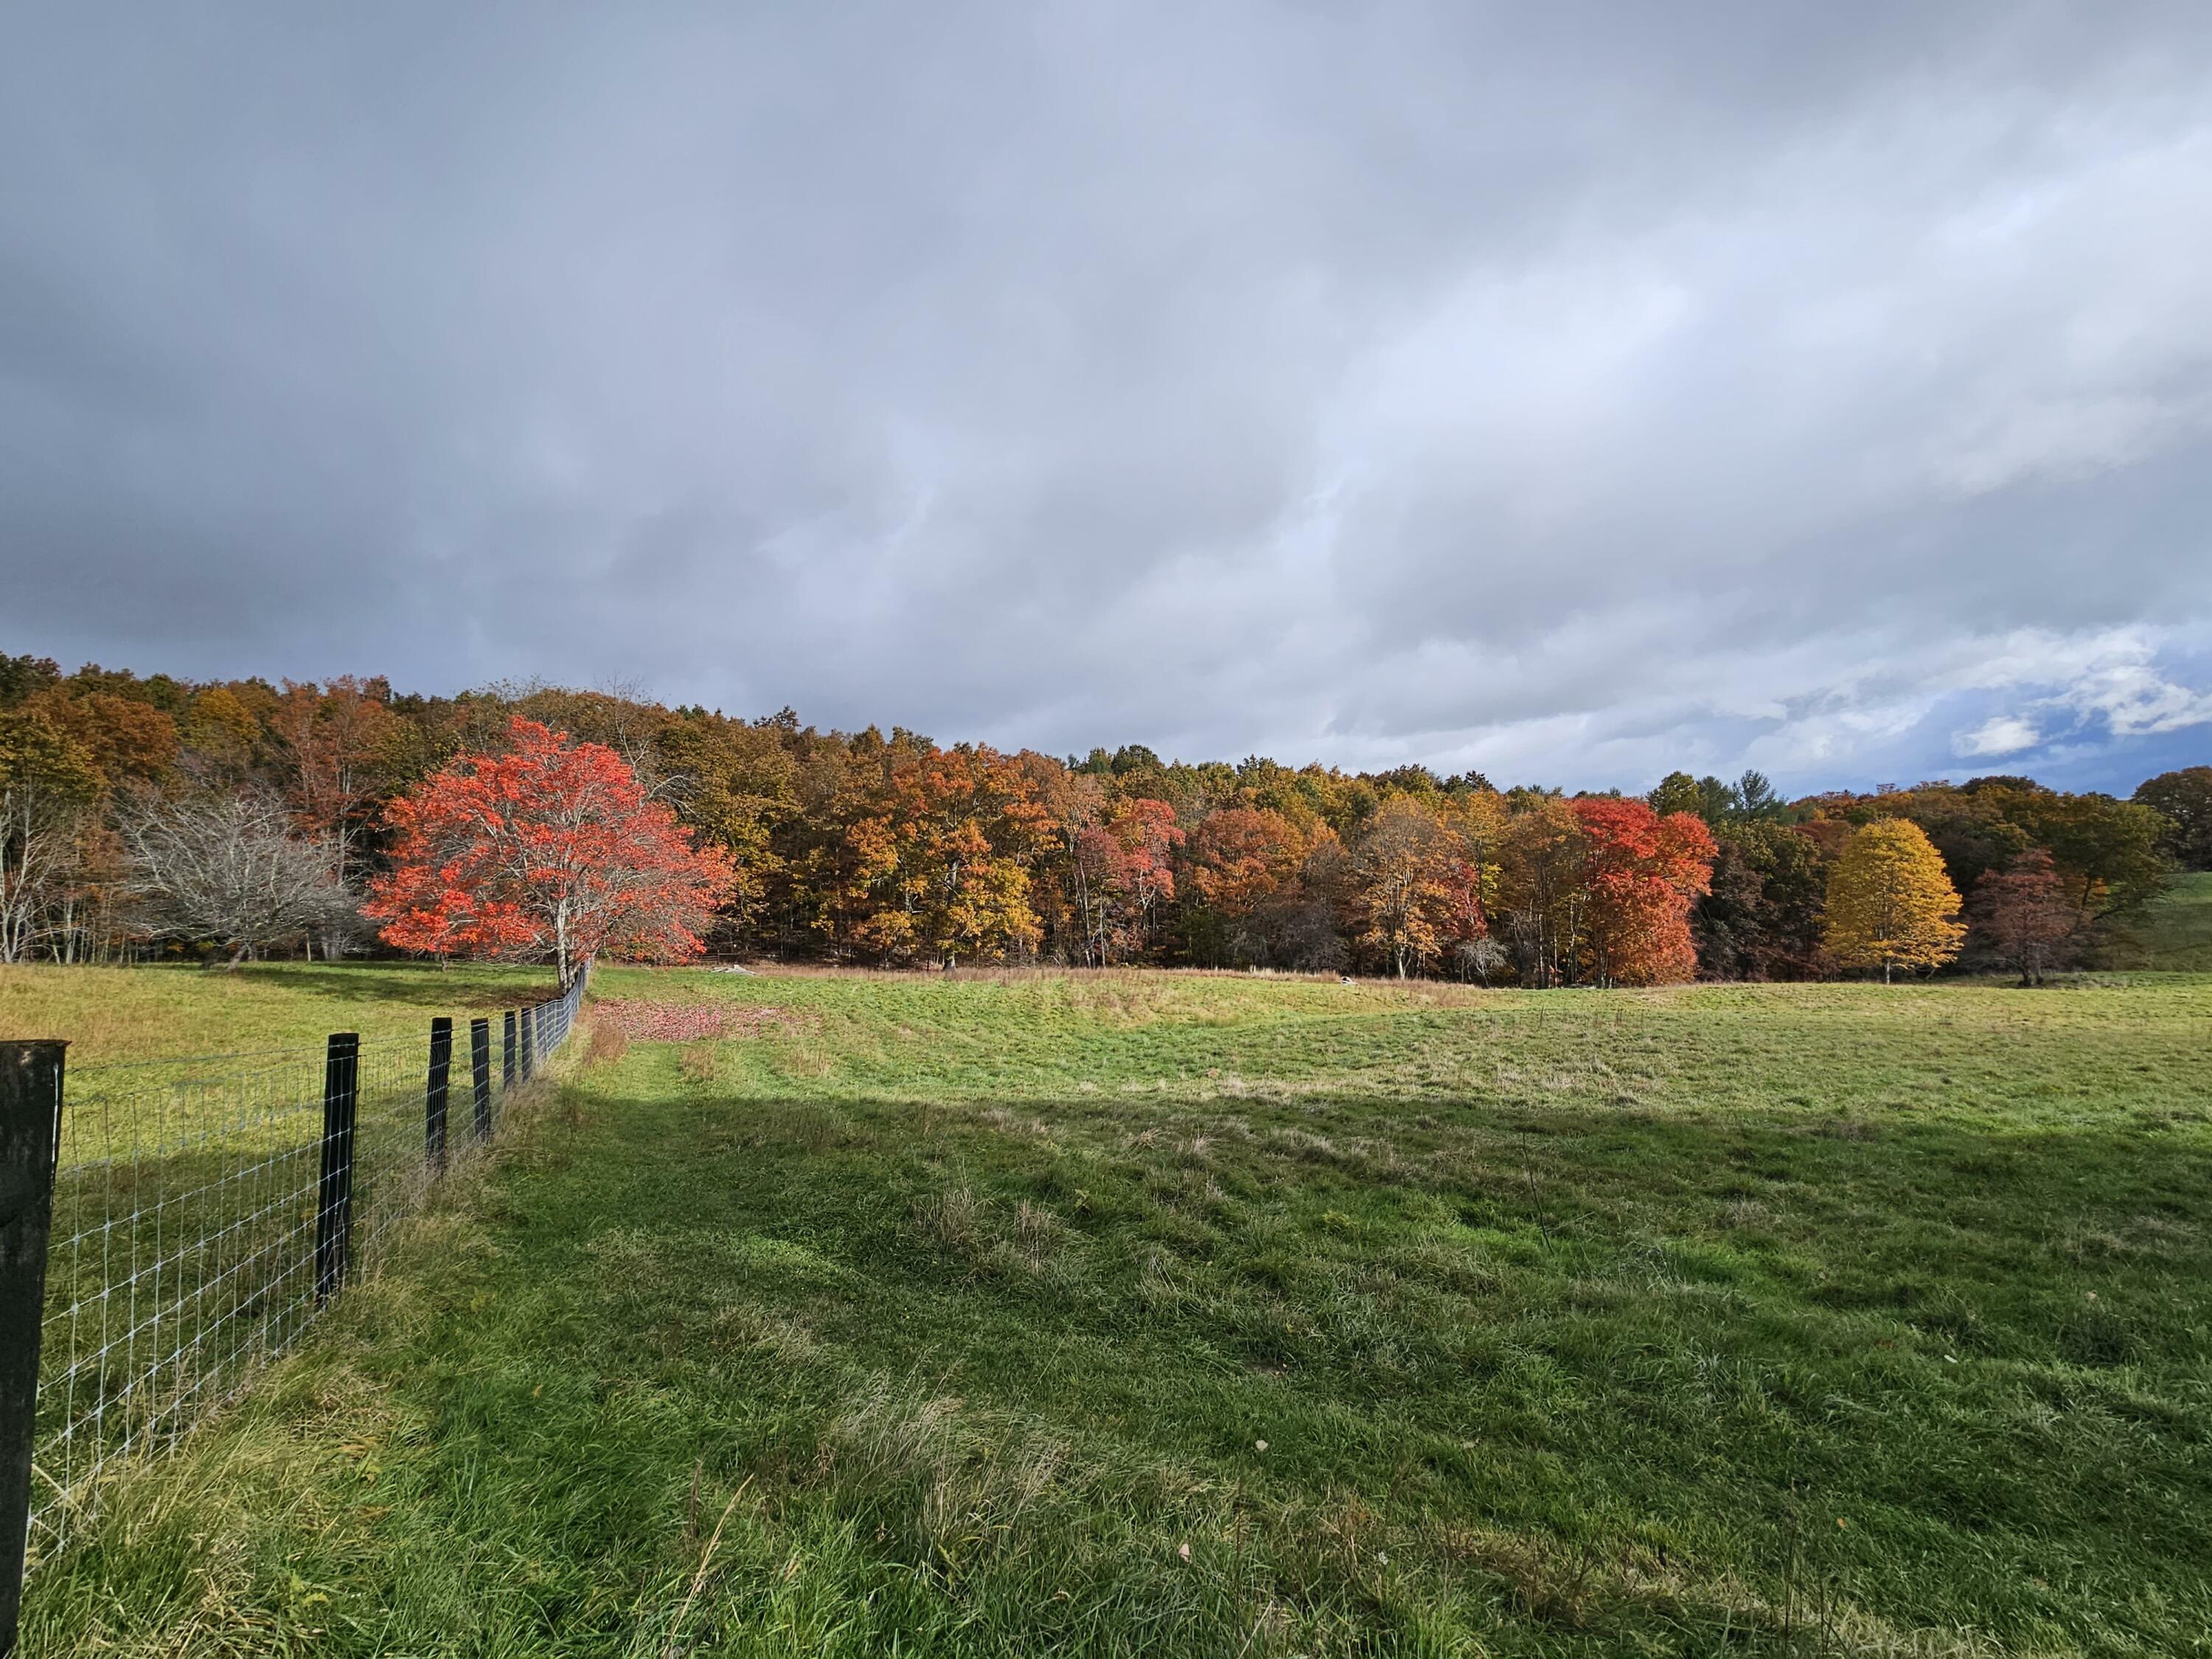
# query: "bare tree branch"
223 869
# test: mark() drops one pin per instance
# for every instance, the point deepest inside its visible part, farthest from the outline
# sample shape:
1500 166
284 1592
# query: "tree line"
142 814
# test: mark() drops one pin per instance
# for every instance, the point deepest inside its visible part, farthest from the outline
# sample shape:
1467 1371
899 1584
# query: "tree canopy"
548 847
893 848
2184 799
1891 904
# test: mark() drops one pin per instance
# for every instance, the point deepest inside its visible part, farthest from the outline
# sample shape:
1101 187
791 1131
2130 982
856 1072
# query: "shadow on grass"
1664 1346
407 983
1244 1376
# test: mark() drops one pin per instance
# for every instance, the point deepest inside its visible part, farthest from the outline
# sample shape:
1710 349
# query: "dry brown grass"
607 1045
952 1219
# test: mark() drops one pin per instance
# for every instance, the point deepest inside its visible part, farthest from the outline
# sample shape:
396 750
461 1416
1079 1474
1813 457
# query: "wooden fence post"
30 1142
334 1192
480 1074
437 1091
507 1049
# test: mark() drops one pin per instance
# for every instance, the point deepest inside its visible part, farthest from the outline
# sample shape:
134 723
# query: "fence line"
166 1227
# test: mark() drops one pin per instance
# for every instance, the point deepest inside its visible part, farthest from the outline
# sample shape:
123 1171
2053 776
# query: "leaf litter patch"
644 1020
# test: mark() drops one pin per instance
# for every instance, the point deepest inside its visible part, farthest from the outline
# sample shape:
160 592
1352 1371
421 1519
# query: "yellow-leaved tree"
1891 903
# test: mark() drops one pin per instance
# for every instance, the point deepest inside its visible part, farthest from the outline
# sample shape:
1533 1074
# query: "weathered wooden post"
30 1142
334 1194
436 1093
480 1074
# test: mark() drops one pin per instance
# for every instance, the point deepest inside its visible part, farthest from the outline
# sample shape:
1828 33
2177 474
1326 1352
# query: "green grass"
183 1213
159 1056
948 1316
122 1015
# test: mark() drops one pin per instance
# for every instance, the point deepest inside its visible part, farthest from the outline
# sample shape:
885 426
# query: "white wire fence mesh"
205 1209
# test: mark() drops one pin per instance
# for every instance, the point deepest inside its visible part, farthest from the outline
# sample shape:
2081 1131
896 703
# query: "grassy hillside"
2173 934
1179 1314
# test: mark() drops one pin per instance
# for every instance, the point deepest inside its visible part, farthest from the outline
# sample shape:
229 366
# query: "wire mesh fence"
205 1209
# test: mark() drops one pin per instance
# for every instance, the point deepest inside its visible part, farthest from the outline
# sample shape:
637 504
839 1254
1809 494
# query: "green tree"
1981 828
1890 904
1705 797
2109 851
22 676
2184 798
1761 921
1756 800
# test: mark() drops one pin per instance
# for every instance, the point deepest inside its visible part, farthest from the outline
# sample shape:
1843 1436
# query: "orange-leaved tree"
1408 881
1641 872
550 847
1241 857
341 745
1243 866
1124 871
941 859
1146 835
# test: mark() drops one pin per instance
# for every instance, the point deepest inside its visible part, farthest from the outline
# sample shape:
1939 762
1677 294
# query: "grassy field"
1180 1313
112 1014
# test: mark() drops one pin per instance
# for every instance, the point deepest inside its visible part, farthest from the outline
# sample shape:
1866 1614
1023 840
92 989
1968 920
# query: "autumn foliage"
658 828
2023 916
548 847
1125 871
1642 870
1239 857
1891 904
936 868
1407 877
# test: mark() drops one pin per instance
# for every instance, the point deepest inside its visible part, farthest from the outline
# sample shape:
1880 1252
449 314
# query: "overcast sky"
1571 391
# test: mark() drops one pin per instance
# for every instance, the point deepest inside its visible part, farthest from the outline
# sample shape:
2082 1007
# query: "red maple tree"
1146 832
2024 916
1641 872
549 848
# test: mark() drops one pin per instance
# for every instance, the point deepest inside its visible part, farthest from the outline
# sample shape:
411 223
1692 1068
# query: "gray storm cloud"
1574 391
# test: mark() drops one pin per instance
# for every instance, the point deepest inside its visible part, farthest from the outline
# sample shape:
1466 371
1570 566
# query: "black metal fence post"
529 1042
507 1049
30 1142
480 1074
437 1091
334 1194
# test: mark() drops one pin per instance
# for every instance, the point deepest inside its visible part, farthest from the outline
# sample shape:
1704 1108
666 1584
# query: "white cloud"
2001 734
2134 700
